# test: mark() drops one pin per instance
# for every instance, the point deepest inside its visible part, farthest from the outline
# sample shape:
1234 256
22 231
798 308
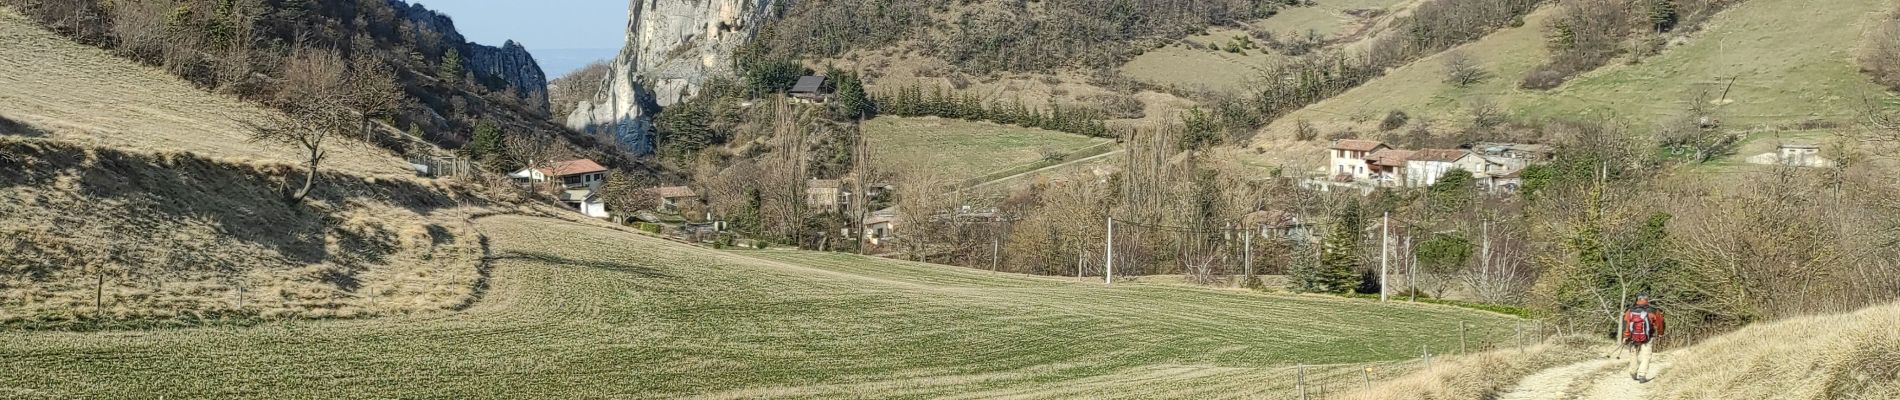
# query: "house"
827 193
1348 158
1387 166
881 226
811 89
1424 167
1279 225
1794 155
568 174
585 200
673 197
1511 156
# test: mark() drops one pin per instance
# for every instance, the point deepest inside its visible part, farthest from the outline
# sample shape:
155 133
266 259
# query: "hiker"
1642 324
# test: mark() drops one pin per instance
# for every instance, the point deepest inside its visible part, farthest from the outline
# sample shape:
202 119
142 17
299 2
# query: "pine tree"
486 142
1339 261
451 70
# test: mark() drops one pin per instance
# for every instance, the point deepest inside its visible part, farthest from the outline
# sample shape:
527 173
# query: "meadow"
962 149
587 311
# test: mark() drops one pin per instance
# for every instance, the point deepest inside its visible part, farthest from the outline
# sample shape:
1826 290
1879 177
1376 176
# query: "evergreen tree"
1663 15
451 69
849 96
1339 261
485 143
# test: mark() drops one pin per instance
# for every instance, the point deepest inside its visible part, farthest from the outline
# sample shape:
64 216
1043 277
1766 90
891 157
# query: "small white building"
1424 167
587 201
1348 158
1794 155
881 226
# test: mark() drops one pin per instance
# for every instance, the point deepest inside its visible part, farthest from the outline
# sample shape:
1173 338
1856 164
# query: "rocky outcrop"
673 48
498 68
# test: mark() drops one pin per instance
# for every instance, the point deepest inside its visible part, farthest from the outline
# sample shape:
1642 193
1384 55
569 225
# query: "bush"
1303 130
1543 78
1394 120
761 244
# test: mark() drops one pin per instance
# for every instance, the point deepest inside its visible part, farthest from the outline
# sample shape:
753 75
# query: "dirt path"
1601 379
1043 169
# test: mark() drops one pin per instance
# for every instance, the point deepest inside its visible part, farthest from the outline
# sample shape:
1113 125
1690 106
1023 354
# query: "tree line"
915 101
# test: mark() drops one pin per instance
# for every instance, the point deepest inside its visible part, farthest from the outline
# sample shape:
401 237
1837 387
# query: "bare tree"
374 92
1462 70
627 193
314 101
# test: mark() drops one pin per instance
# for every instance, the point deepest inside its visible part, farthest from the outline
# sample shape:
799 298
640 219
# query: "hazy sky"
542 24
562 34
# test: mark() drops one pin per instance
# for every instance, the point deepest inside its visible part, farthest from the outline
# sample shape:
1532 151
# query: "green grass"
585 311
1780 78
962 149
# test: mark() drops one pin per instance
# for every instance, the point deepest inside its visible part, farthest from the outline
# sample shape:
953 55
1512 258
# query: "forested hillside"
416 74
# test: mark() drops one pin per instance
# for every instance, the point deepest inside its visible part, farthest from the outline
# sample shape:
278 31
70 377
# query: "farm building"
1348 158
813 89
674 197
569 174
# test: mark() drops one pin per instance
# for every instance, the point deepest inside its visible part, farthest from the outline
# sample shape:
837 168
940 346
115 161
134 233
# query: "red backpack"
1636 325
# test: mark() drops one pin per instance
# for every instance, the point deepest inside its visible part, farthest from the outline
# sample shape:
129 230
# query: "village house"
827 193
674 197
1279 225
1388 166
1348 158
568 174
1424 167
578 183
881 226
811 89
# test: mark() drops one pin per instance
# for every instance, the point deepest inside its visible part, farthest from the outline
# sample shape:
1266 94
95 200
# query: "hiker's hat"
1642 299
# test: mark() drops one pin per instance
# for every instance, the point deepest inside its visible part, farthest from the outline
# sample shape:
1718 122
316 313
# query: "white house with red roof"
578 181
1348 158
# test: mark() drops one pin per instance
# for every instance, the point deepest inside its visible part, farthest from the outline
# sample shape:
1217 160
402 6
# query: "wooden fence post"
1301 384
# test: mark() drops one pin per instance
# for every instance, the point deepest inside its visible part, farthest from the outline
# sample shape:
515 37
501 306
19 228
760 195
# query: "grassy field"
1189 64
585 311
962 149
1780 79
81 94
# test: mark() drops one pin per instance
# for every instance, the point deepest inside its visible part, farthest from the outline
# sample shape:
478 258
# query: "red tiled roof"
1356 145
1390 157
572 167
1445 155
674 192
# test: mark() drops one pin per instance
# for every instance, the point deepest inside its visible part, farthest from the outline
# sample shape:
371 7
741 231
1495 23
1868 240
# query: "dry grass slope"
81 94
129 198
1848 356
578 310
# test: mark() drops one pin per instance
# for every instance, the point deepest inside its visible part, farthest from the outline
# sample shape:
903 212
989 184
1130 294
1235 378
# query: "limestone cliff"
673 47
498 68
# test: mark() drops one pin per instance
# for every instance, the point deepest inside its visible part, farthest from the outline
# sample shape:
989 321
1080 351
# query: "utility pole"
863 200
1247 251
995 251
1411 262
1385 249
1108 265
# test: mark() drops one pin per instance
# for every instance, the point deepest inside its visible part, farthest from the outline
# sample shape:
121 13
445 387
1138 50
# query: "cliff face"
673 48
498 68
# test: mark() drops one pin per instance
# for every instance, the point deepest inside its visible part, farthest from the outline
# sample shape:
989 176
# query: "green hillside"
962 149
582 310
1781 78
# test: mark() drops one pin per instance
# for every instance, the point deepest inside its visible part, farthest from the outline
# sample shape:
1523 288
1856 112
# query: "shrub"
1394 120
761 244
1303 130
1542 78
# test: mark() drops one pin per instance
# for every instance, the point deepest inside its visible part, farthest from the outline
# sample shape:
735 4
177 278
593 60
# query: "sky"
563 35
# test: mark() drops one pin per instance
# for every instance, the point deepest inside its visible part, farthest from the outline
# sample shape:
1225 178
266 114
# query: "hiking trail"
1598 379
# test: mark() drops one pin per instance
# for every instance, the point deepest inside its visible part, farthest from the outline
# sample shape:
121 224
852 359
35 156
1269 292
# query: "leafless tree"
374 92
1462 70
314 100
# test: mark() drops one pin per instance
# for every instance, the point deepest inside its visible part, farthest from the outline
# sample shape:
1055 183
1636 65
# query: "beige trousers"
1639 358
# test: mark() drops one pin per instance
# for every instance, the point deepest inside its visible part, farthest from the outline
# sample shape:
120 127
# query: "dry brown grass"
98 238
1482 375
83 94
1849 356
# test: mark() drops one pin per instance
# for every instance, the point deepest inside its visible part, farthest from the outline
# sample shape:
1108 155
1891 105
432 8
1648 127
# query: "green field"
585 311
1779 79
961 149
